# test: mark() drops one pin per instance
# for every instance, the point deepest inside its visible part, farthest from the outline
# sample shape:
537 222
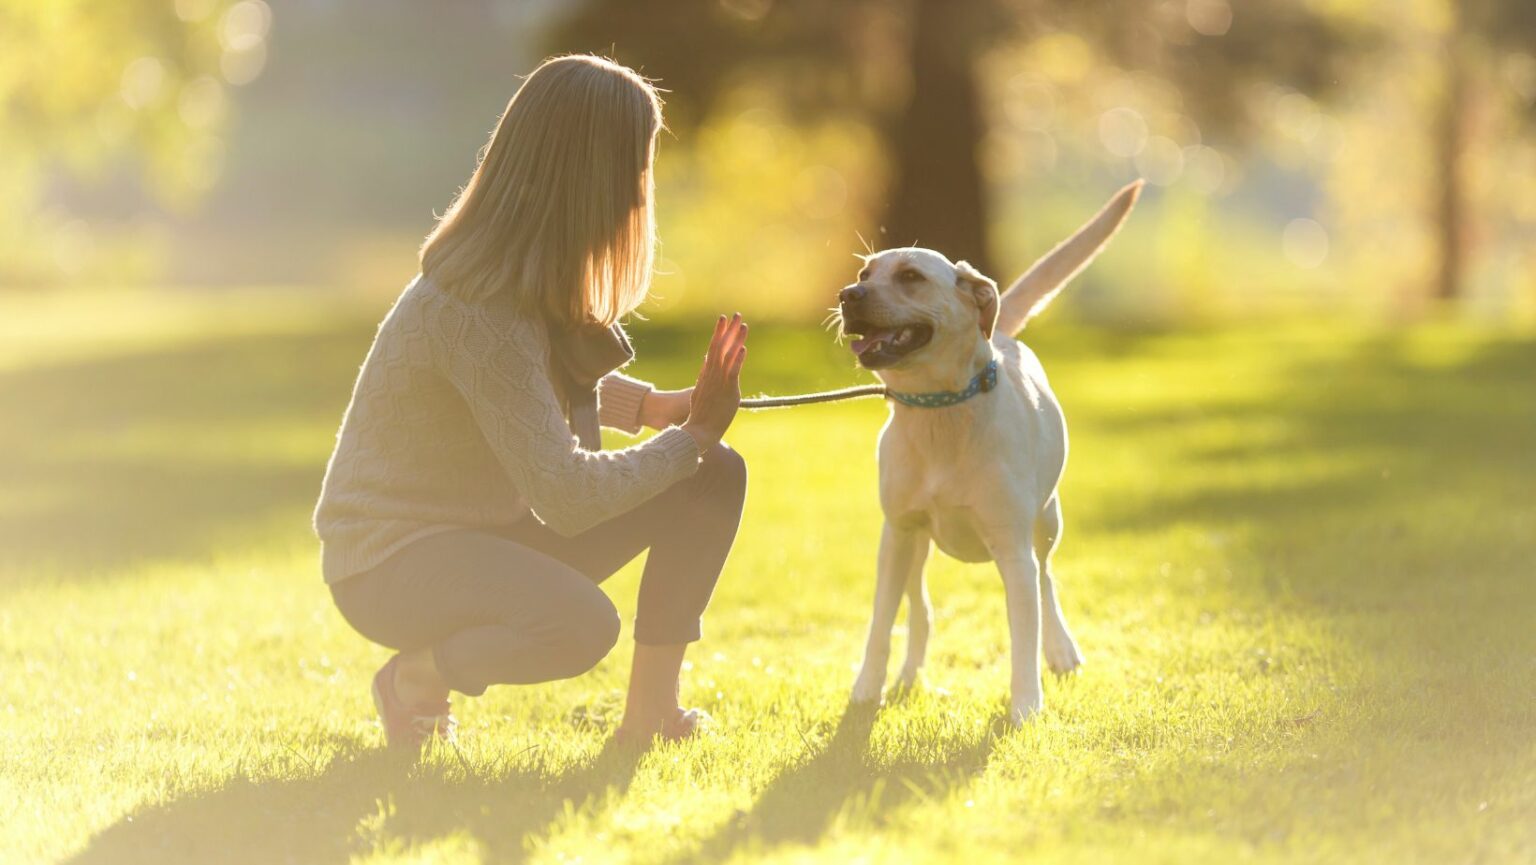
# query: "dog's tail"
1034 291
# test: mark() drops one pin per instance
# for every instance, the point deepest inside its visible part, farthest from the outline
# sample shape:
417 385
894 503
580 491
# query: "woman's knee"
723 473
585 635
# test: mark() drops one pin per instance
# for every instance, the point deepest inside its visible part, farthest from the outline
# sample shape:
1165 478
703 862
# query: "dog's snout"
852 293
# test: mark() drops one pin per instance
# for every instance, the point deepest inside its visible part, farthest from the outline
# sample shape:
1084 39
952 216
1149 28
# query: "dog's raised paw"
1062 656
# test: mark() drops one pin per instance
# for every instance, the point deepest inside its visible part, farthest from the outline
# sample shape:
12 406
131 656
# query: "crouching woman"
468 513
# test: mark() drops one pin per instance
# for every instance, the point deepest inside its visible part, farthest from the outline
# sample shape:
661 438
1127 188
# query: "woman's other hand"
717 395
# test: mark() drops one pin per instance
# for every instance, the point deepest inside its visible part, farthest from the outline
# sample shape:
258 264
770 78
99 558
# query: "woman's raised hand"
718 392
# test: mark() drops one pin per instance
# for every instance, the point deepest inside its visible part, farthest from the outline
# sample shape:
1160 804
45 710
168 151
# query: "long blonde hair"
558 213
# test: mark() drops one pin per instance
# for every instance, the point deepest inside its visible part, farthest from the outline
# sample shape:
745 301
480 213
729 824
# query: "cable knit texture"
454 423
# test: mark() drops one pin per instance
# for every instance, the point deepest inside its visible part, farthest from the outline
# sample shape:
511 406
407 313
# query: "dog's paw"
866 690
1025 709
1062 654
910 679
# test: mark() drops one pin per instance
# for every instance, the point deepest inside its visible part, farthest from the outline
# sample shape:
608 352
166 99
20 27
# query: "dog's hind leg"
919 621
901 552
1061 652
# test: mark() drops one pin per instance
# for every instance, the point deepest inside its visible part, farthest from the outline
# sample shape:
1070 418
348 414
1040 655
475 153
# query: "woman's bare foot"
652 708
677 725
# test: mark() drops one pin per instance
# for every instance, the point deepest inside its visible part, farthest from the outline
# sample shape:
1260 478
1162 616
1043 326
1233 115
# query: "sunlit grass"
1299 561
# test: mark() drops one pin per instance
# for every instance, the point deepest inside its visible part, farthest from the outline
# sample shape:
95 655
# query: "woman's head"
558 215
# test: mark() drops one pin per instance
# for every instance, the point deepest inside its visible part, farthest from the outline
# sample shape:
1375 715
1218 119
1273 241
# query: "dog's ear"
983 291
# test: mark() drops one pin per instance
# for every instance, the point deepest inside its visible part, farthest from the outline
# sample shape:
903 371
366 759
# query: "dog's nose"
852 293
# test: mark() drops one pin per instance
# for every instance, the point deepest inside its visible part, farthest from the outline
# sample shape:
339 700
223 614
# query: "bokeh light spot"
1122 131
245 25
143 83
1304 243
1205 170
1209 17
1297 116
244 66
1161 161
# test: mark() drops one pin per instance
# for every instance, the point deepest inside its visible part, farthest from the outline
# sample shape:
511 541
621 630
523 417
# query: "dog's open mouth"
882 345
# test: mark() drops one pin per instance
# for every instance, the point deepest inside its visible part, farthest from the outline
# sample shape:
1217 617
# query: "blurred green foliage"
1363 156
88 89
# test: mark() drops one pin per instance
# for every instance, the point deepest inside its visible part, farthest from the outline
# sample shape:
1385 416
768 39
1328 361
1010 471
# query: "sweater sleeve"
618 401
500 367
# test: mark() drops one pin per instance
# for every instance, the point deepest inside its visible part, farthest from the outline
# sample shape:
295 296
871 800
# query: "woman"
467 513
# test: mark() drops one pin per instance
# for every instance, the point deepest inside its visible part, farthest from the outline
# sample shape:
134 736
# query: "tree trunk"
1451 145
937 198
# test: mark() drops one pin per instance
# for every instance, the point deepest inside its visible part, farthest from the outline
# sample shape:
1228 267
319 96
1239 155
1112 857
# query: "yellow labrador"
975 445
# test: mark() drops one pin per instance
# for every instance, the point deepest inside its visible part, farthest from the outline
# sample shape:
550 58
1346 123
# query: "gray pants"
521 605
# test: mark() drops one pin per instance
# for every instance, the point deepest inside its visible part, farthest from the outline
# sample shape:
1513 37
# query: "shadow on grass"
844 779
367 802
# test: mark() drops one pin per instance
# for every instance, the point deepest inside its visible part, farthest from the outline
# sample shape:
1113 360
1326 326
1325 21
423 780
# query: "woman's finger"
714 341
740 358
733 336
739 343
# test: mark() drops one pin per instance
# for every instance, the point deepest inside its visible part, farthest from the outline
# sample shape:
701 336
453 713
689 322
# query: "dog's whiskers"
834 321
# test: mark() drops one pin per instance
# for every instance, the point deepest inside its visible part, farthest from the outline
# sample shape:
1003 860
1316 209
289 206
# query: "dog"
973 451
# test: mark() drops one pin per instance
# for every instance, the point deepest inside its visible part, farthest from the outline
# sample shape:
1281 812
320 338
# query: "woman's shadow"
358 803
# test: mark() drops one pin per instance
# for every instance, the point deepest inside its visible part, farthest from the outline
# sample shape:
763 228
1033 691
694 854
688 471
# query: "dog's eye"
863 274
909 275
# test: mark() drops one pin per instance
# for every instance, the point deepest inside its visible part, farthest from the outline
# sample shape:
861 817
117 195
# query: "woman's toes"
686 725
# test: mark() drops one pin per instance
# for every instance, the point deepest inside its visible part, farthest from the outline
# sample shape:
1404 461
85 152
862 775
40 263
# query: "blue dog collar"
982 382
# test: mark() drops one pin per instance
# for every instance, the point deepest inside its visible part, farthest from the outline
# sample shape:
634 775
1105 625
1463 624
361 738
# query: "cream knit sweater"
454 423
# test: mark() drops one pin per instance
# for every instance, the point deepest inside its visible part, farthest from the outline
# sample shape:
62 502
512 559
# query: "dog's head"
910 307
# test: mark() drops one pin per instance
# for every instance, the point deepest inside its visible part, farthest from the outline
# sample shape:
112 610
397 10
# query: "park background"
1302 387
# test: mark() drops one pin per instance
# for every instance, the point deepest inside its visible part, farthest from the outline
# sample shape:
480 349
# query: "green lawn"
1301 562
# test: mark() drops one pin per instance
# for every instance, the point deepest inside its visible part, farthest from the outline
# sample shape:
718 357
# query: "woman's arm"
499 365
621 402
625 403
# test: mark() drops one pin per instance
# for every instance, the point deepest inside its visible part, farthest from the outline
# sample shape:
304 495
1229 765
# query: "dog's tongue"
869 340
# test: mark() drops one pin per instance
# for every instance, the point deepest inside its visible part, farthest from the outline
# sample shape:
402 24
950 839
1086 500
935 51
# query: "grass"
1299 559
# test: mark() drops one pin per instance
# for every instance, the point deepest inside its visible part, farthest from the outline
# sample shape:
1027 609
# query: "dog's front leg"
919 619
1021 582
901 552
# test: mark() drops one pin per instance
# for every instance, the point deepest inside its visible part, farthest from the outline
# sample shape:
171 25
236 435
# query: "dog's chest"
939 494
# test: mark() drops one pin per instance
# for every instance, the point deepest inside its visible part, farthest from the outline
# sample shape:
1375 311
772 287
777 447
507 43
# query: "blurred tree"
910 68
1479 34
83 84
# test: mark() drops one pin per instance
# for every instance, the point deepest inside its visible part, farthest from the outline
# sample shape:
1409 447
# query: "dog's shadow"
362 802
801 804
373 798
